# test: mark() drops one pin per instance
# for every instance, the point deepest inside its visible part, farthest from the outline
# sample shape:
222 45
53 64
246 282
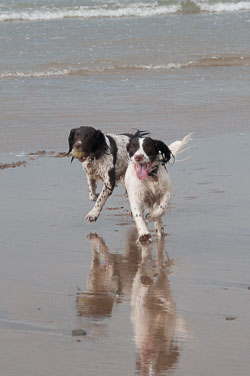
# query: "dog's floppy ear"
99 136
100 145
71 139
163 149
128 146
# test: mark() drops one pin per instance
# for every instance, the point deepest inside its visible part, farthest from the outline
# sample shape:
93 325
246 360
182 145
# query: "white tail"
177 147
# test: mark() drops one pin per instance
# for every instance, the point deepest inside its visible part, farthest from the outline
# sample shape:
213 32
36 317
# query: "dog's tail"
178 147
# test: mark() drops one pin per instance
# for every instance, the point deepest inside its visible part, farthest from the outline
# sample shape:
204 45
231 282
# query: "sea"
169 67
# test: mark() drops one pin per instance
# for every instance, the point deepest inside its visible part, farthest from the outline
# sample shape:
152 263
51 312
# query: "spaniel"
103 157
147 180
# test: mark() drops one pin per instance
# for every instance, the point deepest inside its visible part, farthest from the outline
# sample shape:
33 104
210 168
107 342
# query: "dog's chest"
98 169
151 190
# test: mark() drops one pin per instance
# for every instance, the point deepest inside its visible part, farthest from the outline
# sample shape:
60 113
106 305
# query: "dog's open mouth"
142 170
84 157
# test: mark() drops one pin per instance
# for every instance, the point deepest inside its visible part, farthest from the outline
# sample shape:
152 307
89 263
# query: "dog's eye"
132 148
148 146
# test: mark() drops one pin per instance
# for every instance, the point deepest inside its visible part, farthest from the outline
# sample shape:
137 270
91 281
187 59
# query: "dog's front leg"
92 185
109 184
138 212
102 198
143 233
158 211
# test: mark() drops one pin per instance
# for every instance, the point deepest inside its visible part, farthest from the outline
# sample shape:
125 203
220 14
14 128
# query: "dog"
103 157
147 180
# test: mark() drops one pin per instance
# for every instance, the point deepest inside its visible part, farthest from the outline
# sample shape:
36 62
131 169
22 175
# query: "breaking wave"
117 10
208 62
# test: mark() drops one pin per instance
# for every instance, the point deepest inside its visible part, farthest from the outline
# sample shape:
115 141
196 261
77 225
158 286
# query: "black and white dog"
147 181
103 157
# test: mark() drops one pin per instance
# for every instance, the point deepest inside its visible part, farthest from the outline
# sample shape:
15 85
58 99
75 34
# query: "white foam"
118 11
86 70
224 7
63 72
132 10
162 67
100 68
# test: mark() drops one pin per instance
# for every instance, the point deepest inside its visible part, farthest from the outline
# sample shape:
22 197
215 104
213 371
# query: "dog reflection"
110 277
154 314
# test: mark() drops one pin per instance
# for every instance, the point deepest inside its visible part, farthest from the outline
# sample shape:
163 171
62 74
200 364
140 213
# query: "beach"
50 284
87 299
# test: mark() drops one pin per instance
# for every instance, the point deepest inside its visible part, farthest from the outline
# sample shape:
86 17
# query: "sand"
179 306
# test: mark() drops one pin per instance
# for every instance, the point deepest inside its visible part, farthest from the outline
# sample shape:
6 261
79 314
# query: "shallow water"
175 72
169 308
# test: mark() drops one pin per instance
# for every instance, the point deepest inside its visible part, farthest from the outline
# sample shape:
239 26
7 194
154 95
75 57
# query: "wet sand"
177 307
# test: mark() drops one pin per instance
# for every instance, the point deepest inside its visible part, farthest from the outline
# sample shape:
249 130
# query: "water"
58 9
121 65
162 309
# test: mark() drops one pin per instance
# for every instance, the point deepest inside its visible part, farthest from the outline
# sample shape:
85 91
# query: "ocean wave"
220 61
133 10
224 7
109 67
34 74
84 71
121 11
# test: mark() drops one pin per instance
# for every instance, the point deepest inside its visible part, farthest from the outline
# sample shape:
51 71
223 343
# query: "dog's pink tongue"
141 171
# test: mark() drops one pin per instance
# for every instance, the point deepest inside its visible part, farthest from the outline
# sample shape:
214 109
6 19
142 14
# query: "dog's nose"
139 157
78 145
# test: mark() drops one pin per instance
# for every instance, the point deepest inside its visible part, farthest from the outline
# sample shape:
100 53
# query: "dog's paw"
91 217
144 238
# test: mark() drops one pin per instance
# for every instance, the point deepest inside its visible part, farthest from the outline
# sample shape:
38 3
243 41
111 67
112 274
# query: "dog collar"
155 169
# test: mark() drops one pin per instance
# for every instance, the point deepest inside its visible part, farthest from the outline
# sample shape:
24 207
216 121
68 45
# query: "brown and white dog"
104 157
147 180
